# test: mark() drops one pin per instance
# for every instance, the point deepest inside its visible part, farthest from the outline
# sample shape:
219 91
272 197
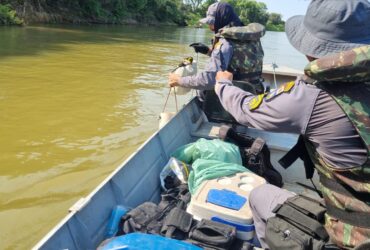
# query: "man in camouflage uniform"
332 115
237 49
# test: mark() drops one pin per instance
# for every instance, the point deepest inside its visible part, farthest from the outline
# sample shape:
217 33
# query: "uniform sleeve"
205 80
233 99
285 113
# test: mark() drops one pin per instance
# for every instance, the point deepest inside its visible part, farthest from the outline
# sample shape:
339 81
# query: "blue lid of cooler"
226 198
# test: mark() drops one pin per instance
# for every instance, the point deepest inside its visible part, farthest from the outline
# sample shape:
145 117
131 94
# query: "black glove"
200 48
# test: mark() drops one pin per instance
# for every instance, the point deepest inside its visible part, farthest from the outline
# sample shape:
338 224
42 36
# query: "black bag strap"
227 133
177 219
299 151
344 189
308 206
303 222
170 199
358 219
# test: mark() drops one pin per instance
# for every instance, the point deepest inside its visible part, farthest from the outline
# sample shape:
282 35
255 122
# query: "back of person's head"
221 14
330 26
225 15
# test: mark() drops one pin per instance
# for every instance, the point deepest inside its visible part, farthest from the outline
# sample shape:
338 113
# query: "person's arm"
234 100
285 112
206 79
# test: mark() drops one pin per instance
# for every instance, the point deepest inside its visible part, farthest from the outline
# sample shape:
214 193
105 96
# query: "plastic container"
140 241
164 118
177 171
114 220
226 200
188 70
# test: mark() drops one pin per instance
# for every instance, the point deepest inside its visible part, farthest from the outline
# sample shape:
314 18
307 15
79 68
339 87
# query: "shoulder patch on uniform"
218 45
285 88
255 102
288 86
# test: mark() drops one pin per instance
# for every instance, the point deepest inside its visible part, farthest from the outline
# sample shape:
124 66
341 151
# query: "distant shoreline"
123 13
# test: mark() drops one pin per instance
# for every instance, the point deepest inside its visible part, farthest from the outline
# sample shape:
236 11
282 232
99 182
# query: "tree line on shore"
178 12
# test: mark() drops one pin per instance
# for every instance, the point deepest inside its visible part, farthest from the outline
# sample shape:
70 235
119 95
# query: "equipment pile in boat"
205 202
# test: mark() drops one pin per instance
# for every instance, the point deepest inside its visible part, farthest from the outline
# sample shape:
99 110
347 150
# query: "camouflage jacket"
247 59
346 77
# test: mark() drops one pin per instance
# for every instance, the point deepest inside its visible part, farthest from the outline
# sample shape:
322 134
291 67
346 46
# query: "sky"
287 8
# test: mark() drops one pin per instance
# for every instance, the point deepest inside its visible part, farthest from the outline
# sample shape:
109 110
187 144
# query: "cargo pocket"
282 235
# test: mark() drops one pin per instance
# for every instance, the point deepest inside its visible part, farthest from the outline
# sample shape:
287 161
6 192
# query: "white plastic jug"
187 70
165 117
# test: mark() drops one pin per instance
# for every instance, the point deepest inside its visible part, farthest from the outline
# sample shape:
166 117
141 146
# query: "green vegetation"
275 22
8 16
180 12
99 11
251 11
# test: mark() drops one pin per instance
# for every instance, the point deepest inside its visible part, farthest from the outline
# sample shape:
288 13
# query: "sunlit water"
74 103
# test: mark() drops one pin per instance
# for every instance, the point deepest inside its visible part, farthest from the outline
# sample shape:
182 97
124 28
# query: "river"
75 101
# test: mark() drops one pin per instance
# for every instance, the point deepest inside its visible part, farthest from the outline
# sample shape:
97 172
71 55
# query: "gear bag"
150 217
255 155
212 235
298 224
170 219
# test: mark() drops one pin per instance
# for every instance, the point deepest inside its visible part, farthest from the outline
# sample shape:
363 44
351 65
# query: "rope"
177 108
165 104
168 97
192 91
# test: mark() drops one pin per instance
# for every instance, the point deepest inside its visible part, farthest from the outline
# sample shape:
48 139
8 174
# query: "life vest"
247 59
346 77
245 64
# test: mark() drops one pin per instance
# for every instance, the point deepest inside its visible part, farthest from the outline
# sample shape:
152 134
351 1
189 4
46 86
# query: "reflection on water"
74 103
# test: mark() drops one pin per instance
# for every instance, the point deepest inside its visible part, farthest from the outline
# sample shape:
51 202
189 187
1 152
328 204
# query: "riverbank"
92 12
149 12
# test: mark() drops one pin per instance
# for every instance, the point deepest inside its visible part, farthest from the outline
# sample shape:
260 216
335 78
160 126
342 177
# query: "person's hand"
173 80
224 75
200 48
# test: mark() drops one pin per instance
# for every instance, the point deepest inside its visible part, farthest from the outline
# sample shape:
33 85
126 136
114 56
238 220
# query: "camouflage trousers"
343 231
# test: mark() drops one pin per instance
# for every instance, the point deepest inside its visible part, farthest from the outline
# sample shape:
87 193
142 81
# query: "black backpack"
255 154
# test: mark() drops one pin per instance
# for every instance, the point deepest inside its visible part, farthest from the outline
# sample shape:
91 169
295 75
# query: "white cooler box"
226 200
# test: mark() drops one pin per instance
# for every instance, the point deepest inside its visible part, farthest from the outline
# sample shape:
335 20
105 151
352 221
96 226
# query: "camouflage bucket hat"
330 26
